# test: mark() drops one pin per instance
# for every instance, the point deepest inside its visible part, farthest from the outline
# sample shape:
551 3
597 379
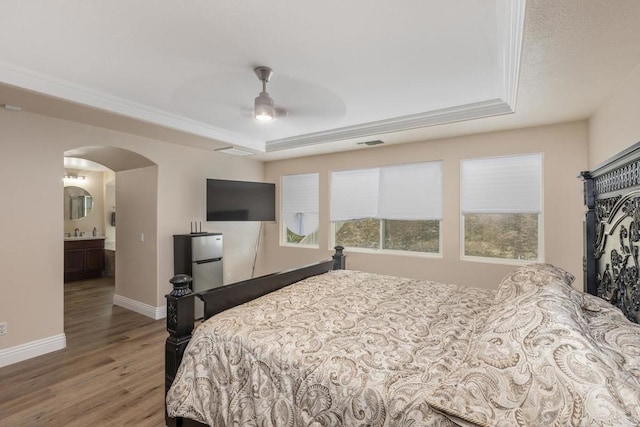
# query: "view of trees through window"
310 239
492 184
373 233
507 236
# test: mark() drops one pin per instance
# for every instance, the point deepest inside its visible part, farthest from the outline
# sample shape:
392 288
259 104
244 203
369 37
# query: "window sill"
394 253
502 261
295 245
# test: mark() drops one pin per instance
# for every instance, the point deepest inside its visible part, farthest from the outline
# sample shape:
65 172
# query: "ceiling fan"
263 109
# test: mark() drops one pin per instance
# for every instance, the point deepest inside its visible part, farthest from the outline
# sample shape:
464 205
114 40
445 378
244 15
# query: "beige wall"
136 272
181 199
94 185
31 232
31 255
616 124
565 154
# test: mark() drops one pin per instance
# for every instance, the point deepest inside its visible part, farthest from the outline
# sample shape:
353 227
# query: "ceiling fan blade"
280 112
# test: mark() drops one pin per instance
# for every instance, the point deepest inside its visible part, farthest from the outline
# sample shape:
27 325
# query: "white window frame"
332 237
505 261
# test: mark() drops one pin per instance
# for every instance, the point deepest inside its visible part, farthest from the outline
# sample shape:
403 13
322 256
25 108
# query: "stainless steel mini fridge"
200 256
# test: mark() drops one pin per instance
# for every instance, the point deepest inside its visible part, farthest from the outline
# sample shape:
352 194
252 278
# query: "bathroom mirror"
77 202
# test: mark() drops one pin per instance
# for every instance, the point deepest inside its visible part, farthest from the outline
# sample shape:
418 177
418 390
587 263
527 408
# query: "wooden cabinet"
83 259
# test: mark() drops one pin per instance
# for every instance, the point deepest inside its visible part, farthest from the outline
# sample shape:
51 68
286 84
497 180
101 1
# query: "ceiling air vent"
371 143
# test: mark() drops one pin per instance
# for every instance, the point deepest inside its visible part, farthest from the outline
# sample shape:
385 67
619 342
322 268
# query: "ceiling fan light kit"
263 109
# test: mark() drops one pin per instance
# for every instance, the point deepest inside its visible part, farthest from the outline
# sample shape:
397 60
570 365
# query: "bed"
325 346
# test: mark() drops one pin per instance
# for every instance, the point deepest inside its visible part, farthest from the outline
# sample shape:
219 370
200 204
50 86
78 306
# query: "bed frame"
611 261
612 231
180 310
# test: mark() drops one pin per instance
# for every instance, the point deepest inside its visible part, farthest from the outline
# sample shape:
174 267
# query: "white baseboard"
32 349
155 313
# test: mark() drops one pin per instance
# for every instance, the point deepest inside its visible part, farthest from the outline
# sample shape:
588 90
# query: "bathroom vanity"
83 258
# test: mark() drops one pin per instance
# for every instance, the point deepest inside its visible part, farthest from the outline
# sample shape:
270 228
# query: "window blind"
402 192
300 196
354 194
502 184
411 192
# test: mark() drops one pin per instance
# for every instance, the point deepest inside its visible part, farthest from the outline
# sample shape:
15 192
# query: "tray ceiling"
344 71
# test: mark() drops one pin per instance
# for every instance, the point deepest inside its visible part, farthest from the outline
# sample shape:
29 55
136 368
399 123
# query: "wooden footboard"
180 309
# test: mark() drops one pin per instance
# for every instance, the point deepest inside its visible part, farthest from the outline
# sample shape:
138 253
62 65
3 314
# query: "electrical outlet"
3 328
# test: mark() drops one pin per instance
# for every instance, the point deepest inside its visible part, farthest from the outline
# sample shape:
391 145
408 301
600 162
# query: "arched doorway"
135 260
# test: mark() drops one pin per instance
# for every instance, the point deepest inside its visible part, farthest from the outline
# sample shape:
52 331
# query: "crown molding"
512 50
511 53
511 36
24 78
492 107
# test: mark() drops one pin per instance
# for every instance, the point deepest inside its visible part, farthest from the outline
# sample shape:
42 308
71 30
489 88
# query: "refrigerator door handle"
204 261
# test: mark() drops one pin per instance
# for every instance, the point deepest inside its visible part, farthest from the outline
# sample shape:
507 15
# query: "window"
300 210
501 207
393 208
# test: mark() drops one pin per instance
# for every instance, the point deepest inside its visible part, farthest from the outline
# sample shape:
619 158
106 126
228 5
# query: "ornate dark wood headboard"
612 231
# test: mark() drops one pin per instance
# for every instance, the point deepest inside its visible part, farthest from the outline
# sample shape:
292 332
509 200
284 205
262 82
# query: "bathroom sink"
90 237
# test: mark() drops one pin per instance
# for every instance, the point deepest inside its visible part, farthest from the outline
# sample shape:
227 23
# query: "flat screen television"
240 200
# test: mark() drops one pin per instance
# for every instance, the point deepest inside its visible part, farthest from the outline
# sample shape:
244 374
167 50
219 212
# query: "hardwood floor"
110 374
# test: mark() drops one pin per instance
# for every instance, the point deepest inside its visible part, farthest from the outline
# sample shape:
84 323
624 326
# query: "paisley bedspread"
345 348
355 349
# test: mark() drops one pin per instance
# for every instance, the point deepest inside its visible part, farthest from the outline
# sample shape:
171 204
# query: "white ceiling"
346 72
